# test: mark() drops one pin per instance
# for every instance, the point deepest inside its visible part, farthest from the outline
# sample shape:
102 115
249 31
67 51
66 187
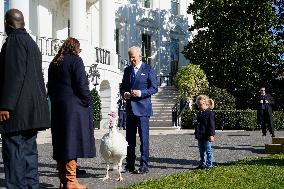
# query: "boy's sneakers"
200 167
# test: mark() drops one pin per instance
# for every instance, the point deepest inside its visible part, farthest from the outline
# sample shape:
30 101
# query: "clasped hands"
4 115
266 101
134 93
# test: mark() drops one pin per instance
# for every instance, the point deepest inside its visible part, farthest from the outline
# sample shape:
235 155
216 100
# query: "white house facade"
106 29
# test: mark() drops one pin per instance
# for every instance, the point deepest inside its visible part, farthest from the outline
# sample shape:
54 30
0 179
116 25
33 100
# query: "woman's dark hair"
70 46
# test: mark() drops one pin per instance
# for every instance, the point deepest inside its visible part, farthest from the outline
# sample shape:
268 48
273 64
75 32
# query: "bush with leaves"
191 80
233 119
223 100
97 106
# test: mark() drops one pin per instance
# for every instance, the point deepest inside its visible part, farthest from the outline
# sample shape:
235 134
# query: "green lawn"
266 172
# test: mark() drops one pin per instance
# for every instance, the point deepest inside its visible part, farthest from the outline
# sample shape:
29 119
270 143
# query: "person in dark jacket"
264 111
121 113
205 130
23 103
71 114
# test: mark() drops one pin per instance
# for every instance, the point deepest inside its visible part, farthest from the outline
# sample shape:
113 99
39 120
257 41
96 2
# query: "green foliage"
97 106
223 100
263 172
278 119
191 80
236 45
233 119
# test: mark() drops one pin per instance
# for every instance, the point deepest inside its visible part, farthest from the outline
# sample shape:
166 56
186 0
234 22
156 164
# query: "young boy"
205 130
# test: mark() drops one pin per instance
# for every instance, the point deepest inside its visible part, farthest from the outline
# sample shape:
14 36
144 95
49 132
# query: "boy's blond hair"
209 101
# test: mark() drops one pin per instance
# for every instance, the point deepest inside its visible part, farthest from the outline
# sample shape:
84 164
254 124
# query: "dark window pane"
175 7
146 3
146 48
6 6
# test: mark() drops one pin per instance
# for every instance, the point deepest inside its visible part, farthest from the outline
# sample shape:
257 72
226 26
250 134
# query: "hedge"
233 119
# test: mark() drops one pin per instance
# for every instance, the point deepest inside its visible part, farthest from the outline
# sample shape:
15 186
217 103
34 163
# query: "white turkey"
113 147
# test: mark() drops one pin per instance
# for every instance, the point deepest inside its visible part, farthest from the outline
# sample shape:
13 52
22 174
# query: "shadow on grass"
266 161
271 160
253 150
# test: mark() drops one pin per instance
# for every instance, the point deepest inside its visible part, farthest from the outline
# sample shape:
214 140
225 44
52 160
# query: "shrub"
233 119
223 100
191 81
278 120
97 106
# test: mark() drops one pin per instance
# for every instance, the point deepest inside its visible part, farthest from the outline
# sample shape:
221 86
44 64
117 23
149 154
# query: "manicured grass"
266 172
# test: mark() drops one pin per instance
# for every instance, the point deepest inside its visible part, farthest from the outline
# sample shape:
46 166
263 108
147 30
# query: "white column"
24 7
78 29
78 19
107 24
155 4
1 16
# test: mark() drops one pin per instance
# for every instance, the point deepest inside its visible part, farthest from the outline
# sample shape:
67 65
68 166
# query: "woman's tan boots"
67 176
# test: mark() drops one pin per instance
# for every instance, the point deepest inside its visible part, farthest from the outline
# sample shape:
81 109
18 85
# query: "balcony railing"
166 80
48 46
122 63
102 56
177 110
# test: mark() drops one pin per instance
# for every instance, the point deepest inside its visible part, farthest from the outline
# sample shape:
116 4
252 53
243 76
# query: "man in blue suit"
138 84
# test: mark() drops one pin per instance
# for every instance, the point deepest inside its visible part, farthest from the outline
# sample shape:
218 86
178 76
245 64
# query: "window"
146 48
174 49
175 7
6 6
69 28
146 3
174 55
117 40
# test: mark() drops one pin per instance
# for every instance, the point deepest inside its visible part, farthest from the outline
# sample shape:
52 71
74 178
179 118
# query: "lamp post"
94 74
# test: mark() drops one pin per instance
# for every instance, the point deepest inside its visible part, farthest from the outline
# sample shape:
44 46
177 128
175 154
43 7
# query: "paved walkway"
170 152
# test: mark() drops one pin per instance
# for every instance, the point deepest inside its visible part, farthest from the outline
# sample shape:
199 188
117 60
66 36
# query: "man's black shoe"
200 167
141 170
80 171
129 170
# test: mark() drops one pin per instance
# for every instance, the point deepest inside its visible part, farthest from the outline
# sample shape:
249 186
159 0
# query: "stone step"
161 114
278 140
164 128
274 148
164 99
171 93
160 107
164 119
161 124
162 103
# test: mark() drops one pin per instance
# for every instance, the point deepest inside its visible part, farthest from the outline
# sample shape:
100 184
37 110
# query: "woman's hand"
4 115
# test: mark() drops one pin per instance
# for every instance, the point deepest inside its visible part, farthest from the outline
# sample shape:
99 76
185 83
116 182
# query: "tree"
223 100
191 81
97 106
236 44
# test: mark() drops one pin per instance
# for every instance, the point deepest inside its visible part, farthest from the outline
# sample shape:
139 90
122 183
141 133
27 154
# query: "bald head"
14 18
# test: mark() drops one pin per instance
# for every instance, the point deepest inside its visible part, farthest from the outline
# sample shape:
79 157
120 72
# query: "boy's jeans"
205 148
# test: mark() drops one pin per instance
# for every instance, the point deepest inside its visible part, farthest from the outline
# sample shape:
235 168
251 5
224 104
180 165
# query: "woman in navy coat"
71 114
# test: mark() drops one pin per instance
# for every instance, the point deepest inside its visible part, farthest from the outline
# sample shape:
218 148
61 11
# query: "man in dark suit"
264 111
138 84
23 103
121 113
